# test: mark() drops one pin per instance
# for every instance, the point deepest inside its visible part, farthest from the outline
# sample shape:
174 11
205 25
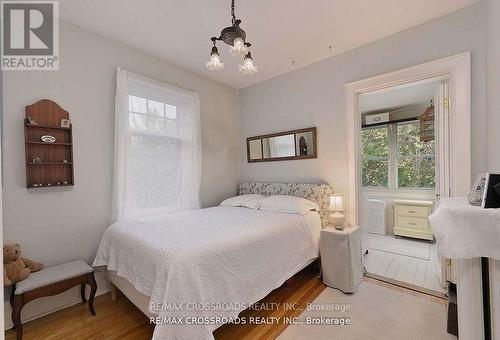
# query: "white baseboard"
47 305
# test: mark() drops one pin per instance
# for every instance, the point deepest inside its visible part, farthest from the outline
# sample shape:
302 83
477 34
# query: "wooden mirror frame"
286 158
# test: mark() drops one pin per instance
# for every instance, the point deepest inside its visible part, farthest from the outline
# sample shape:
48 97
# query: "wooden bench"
51 281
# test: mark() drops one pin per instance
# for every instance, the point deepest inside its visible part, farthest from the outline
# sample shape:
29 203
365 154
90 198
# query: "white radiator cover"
375 216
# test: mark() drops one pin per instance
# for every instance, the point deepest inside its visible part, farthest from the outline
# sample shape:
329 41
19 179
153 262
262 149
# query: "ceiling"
399 97
280 31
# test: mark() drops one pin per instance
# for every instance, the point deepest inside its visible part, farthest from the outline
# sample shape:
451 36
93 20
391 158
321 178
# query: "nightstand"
341 258
411 219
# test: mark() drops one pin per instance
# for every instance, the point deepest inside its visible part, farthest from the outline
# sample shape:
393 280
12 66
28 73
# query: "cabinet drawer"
408 210
419 223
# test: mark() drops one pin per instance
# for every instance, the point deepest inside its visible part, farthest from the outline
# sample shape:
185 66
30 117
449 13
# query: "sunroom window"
415 159
393 157
375 146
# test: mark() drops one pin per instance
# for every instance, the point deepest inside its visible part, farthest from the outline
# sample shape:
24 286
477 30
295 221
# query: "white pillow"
287 204
248 201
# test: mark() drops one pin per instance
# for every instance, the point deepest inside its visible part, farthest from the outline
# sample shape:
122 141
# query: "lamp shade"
337 203
248 66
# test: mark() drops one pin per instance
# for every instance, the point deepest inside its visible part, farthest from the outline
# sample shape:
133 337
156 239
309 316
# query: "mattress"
209 264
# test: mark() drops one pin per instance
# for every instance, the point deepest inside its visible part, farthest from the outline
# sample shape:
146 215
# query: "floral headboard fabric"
318 193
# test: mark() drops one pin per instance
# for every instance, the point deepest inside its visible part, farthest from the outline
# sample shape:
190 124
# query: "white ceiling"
398 97
280 31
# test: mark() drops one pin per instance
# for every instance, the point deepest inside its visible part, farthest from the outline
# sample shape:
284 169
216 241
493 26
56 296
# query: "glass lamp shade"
214 64
248 66
239 49
336 203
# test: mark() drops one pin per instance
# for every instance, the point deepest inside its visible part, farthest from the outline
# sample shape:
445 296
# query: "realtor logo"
30 35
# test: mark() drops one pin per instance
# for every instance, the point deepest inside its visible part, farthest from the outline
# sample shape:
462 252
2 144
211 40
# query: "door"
446 269
442 136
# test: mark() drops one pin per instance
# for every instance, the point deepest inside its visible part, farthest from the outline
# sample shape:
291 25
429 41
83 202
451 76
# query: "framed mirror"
282 146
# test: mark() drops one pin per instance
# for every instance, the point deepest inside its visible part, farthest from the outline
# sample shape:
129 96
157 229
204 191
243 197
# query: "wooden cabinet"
48 163
411 219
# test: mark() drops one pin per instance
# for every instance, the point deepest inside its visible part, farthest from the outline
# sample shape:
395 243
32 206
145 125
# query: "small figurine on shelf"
37 160
65 123
31 120
48 139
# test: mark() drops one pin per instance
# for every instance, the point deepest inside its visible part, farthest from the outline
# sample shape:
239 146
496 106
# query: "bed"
193 271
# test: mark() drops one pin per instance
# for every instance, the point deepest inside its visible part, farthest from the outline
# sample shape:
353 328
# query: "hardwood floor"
120 319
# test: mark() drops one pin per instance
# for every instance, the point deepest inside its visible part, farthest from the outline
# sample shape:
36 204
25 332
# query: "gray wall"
314 96
493 109
56 225
493 83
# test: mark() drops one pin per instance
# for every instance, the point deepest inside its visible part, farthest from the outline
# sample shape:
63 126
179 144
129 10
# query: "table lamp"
337 206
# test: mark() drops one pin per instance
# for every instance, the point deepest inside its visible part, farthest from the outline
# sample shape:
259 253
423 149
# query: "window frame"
393 159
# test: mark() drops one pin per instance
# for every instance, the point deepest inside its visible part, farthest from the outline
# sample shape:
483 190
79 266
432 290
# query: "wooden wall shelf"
54 161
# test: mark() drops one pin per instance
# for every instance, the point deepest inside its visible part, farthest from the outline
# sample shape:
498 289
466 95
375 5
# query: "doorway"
399 169
449 158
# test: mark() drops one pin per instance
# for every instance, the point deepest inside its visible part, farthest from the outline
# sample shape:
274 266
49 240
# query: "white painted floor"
403 259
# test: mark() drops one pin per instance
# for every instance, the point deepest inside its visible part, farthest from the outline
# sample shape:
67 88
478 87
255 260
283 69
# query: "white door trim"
457 69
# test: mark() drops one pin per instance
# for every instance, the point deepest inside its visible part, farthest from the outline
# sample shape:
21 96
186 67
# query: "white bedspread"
224 256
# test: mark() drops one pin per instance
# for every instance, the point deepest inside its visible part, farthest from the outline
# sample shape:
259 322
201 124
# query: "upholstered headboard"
318 193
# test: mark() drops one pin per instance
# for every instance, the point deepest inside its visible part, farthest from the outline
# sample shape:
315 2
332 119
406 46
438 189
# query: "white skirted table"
341 262
467 233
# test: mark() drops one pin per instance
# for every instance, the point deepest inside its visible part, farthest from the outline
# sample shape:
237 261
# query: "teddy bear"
16 268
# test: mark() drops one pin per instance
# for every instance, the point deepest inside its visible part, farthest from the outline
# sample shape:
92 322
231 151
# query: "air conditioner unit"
377 118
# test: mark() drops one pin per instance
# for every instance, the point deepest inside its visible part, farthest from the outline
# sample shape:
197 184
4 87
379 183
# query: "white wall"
314 96
493 82
54 225
493 109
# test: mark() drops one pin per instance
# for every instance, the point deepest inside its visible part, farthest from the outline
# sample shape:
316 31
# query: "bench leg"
82 292
17 305
93 289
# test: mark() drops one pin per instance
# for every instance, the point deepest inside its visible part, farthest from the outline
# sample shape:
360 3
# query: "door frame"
457 68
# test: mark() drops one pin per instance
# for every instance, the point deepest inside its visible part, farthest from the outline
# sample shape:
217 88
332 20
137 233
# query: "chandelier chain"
232 12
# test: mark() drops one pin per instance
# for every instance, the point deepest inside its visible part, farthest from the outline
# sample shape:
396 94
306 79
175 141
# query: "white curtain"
157 148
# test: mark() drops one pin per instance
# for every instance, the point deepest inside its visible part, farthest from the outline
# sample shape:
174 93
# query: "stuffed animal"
16 268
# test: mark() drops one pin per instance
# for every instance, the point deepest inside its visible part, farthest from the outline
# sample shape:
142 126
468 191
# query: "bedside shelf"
50 163
51 169
47 127
55 143
50 186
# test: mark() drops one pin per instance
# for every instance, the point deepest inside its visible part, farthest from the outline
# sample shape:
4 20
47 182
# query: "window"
157 148
375 163
415 159
151 115
393 157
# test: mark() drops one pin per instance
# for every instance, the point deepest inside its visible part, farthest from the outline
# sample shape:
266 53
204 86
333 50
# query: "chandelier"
233 36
